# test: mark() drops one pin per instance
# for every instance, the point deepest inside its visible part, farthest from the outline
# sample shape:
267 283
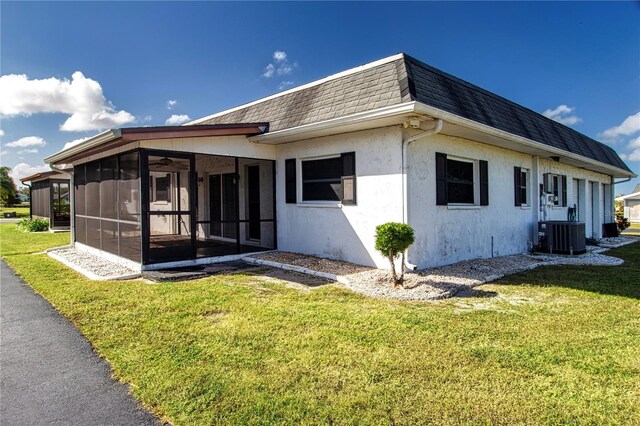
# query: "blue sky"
133 58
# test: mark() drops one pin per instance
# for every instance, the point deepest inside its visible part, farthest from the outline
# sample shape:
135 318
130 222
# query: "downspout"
613 181
405 204
72 205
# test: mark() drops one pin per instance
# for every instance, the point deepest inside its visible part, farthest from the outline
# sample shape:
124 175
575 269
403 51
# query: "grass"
21 211
557 345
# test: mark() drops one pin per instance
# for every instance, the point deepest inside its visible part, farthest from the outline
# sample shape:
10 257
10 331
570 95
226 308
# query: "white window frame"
300 183
527 184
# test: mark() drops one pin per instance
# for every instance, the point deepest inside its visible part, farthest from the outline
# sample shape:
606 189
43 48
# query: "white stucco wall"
447 234
344 232
444 234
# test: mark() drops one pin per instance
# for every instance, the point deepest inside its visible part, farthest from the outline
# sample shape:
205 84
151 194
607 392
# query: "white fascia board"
285 135
465 122
303 87
626 197
92 142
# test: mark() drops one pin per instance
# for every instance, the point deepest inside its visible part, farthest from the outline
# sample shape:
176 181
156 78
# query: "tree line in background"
9 194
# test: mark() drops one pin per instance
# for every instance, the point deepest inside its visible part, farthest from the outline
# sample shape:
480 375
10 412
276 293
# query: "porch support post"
144 205
193 203
275 213
237 178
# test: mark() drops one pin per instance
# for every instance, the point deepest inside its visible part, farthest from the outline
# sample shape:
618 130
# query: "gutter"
92 142
405 196
483 128
361 117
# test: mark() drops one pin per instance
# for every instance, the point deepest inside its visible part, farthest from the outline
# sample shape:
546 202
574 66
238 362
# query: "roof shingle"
406 79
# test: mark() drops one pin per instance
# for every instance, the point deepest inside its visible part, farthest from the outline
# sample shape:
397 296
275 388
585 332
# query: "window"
461 181
161 188
556 186
326 179
521 186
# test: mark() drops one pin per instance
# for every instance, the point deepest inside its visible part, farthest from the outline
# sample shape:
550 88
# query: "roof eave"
456 119
92 142
394 114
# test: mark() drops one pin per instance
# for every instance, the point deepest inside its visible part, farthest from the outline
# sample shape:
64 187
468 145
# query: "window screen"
92 194
79 182
109 187
128 187
460 182
322 179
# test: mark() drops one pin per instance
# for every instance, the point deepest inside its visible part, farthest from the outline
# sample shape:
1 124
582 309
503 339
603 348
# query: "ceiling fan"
168 162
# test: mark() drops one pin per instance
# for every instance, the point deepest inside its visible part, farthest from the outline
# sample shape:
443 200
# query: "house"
49 193
631 204
315 168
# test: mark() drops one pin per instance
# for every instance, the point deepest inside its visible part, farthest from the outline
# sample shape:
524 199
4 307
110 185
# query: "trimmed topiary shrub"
33 225
392 240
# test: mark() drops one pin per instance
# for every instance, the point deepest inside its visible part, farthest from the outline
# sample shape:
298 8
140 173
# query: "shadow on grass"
623 280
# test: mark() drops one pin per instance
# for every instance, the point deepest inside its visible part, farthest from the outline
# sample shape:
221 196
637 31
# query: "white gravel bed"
444 281
617 241
91 266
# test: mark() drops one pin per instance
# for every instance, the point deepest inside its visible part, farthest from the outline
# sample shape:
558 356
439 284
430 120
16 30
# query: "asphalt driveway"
49 373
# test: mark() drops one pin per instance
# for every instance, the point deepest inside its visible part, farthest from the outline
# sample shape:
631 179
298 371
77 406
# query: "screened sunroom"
49 198
160 206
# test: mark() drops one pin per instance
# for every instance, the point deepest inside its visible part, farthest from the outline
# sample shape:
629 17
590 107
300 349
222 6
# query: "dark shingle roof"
372 88
446 92
406 79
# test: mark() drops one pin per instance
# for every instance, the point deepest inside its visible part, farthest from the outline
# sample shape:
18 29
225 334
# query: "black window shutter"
517 183
564 191
291 193
484 183
348 178
441 179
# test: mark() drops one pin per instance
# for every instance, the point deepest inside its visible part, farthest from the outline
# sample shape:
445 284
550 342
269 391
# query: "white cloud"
628 127
281 65
147 118
1 132
268 71
279 56
634 143
563 114
171 103
284 69
28 151
23 170
81 98
284 84
176 120
27 141
75 142
3 153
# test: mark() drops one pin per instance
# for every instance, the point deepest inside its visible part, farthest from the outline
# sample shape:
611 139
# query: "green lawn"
21 211
556 345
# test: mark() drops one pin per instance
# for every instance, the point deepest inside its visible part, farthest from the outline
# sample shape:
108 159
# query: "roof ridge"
495 96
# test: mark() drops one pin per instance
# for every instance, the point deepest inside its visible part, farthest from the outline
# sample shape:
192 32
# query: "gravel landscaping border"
434 283
91 266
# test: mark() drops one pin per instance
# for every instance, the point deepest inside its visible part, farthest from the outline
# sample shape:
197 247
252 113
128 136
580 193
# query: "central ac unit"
562 237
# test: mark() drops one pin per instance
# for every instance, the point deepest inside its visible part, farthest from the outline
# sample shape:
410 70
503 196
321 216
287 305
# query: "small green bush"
392 239
33 225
